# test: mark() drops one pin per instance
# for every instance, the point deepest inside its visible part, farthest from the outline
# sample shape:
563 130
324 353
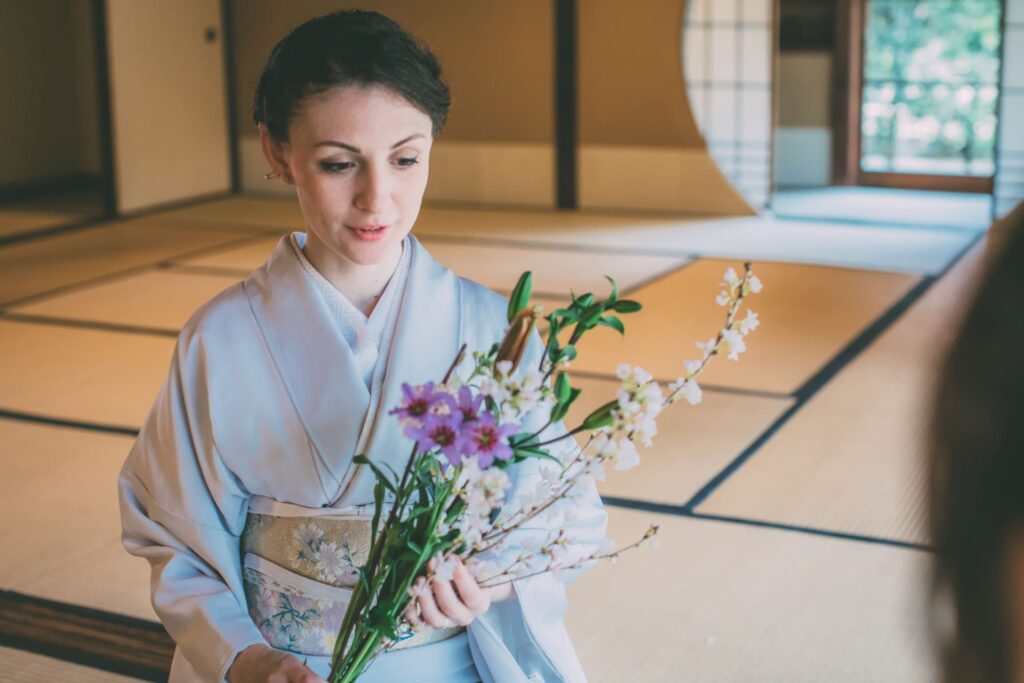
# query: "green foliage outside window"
931 86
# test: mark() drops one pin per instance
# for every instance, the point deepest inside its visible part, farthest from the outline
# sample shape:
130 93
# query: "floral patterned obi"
299 573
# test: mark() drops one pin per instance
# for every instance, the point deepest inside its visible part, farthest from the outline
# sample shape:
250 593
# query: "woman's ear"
274 153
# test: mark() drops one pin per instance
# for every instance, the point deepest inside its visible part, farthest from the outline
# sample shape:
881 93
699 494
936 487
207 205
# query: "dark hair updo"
354 47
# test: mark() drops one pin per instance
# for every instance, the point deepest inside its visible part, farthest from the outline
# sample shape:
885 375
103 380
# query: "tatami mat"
16 221
59 485
18 666
960 210
875 247
694 443
722 603
159 299
245 257
77 374
851 459
808 314
555 273
107 579
248 210
45 264
164 220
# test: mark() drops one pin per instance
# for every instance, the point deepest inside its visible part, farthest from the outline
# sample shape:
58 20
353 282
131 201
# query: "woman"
241 489
977 479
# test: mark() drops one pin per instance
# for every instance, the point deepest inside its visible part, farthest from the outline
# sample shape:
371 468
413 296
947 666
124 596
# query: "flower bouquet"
451 500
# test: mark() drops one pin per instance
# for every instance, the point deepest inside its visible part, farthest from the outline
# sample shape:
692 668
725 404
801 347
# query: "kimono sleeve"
183 510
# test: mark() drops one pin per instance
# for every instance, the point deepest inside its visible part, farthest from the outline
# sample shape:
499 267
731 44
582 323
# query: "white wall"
168 102
803 154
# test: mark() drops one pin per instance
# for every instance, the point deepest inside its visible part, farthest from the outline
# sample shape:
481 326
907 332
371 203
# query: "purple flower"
469 405
419 401
486 440
438 431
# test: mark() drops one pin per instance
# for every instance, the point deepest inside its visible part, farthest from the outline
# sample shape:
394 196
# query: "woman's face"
358 157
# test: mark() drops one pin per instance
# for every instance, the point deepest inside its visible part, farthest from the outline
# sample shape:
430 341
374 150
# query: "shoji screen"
728 48
1009 185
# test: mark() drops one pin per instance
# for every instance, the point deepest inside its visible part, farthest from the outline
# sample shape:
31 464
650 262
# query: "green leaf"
568 353
584 300
378 504
626 306
520 295
573 394
591 315
602 417
381 477
527 453
615 290
613 322
562 387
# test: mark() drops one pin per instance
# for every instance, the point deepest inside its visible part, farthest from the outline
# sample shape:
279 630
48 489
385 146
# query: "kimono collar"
318 369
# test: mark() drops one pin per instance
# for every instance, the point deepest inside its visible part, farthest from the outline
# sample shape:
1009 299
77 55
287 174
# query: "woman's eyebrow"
351 148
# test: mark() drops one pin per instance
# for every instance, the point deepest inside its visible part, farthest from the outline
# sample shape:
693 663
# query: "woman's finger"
473 596
430 613
450 604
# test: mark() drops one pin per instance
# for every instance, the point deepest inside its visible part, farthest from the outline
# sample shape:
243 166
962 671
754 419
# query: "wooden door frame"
848 79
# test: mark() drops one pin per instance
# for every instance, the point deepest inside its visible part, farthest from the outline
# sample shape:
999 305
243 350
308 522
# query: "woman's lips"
369 233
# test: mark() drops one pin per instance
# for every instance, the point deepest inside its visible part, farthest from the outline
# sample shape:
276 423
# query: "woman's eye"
408 161
336 167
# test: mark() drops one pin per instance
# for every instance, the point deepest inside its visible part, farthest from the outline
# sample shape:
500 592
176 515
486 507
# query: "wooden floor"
790 500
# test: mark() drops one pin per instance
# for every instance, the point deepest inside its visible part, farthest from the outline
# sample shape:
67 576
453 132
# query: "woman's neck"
362 285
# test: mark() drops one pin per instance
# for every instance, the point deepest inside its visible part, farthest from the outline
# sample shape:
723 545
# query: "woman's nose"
373 194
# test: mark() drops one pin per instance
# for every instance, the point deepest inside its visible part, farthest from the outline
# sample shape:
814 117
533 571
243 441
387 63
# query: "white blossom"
731 278
755 284
723 298
749 324
688 389
733 344
707 346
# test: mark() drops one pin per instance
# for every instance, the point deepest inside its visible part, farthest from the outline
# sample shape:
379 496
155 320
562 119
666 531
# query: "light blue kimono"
264 399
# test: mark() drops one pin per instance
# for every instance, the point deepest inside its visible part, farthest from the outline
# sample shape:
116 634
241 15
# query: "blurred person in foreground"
976 475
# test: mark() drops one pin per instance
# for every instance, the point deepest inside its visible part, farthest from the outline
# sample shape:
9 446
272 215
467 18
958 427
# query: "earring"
271 175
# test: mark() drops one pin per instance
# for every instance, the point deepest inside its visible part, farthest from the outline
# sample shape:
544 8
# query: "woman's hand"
262 664
453 603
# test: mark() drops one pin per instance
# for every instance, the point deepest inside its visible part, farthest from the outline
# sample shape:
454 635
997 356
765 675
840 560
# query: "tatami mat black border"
89 637
677 511
128 272
51 421
97 325
103 220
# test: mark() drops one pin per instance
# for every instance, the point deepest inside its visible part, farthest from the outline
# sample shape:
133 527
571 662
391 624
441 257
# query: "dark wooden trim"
227 12
775 98
918 181
106 131
847 65
89 637
565 103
